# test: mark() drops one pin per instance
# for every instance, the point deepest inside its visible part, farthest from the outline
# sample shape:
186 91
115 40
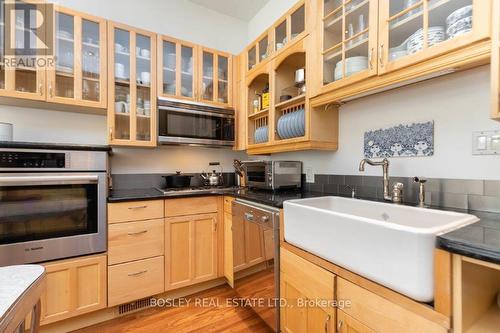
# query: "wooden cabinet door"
239 251
215 77
23 62
74 287
228 249
347 43
495 62
132 86
177 73
254 244
190 250
80 71
347 324
402 30
293 317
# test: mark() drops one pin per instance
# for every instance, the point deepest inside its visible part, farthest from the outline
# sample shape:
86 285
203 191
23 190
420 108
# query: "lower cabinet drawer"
135 280
135 240
381 315
135 211
191 206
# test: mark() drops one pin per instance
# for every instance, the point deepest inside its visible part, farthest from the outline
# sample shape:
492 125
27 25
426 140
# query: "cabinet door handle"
138 273
138 207
339 326
110 134
40 88
327 323
370 58
381 55
50 89
137 233
215 226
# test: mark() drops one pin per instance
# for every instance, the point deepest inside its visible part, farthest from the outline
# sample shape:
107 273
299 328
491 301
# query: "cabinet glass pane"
405 28
252 57
208 76
345 39
187 73
122 84
264 48
65 61
2 44
91 66
25 42
298 21
280 35
448 20
143 102
169 67
223 74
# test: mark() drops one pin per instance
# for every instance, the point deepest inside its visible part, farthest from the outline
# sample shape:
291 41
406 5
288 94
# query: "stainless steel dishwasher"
255 229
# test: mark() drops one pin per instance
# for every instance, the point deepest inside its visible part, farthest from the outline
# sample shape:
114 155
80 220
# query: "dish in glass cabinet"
415 42
460 27
459 14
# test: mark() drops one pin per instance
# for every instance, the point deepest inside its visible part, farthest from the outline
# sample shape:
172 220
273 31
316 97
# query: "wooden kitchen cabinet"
74 287
132 86
215 83
177 70
495 61
347 36
347 324
24 77
301 284
79 76
191 250
403 28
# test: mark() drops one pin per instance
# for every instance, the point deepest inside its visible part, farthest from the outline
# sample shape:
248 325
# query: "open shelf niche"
258 119
285 85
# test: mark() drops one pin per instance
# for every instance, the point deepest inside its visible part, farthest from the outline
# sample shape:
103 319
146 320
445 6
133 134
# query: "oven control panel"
11 159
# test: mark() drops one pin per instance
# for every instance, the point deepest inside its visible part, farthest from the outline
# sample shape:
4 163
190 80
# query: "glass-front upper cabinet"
260 50
291 27
79 74
177 75
24 58
132 86
415 30
349 41
216 72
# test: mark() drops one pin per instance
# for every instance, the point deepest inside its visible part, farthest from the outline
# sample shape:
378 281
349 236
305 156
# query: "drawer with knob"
135 280
135 211
135 240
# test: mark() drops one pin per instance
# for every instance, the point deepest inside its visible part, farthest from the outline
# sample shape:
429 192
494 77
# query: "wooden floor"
191 318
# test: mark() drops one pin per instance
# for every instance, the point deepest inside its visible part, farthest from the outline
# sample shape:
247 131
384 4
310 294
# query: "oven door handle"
48 180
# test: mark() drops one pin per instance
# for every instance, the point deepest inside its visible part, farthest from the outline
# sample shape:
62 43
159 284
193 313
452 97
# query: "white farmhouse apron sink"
390 244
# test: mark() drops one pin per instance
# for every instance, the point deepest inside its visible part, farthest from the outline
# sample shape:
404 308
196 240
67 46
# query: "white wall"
178 18
458 103
272 11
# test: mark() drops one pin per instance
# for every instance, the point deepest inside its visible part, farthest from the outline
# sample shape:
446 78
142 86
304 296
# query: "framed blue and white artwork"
404 140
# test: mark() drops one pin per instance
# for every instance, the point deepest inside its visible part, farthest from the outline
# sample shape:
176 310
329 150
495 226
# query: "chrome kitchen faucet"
397 191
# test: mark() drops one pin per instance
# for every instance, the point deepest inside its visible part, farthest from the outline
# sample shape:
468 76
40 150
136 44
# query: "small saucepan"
178 180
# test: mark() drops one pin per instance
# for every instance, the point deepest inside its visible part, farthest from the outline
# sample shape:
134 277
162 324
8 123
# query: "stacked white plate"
415 43
353 65
459 22
261 134
292 125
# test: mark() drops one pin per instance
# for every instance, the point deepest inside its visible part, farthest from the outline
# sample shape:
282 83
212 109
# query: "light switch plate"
309 175
486 143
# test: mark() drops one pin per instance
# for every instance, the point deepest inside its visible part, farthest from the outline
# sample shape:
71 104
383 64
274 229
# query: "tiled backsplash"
481 195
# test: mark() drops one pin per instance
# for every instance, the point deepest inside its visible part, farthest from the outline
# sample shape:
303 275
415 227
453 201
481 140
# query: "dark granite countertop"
480 240
274 199
52 146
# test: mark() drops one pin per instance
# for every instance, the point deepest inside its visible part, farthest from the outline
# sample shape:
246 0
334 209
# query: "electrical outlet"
486 143
309 175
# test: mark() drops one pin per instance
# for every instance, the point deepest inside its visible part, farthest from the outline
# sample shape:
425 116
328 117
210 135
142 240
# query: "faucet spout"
385 170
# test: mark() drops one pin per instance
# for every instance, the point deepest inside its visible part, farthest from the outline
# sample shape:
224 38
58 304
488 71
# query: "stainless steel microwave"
188 123
273 175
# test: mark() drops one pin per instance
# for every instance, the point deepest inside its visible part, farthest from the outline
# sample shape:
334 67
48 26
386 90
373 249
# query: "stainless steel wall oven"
52 204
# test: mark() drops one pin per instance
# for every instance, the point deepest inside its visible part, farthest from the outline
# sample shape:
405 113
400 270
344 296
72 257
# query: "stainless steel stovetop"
196 190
